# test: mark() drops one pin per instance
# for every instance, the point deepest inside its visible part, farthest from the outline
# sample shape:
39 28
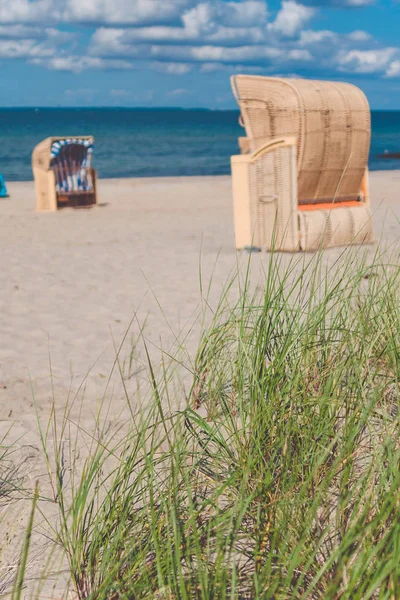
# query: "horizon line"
102 107
147 108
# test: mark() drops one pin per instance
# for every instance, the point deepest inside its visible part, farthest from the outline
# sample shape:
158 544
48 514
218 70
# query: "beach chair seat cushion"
340 227
331 205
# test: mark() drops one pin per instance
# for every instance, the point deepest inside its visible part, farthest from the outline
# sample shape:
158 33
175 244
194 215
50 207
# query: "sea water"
152 143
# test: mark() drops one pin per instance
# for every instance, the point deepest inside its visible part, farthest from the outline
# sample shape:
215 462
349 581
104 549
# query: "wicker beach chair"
63 173
301 182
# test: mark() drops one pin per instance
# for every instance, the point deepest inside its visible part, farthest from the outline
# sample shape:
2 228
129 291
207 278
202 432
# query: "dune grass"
280 479
12 494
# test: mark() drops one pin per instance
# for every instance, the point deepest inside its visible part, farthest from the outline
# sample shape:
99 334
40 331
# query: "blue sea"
151 143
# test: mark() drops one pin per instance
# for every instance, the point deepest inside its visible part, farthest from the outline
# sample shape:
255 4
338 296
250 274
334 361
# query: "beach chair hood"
330 121
42 154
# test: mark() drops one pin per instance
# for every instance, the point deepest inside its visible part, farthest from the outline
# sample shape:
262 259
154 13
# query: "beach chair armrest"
265 196
273 145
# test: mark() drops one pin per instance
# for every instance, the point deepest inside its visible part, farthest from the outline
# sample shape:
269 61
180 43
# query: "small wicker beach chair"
63 173
301 182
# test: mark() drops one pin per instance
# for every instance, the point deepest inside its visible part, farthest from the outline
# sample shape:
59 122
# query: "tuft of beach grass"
279 478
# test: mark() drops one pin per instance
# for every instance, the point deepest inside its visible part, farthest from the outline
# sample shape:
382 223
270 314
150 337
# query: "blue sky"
182 52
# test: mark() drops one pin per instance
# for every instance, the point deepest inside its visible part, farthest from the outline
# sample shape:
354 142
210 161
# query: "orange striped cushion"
330 206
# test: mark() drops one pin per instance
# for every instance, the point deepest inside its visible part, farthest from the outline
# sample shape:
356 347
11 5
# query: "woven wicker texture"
339 227
330 120
274 205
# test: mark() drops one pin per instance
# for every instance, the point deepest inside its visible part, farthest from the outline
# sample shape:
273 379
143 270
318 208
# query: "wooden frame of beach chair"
301 182
67 182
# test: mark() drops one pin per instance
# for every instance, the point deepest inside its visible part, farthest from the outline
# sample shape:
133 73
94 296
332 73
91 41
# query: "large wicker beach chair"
63 173
301 182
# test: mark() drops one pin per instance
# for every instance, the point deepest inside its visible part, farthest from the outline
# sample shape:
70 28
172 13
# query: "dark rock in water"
387 154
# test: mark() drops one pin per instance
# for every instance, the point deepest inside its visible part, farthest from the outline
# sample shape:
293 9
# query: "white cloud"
248 13
173 68
340 3
23 49
309 37
60 37
134 12
229 68
393 69
359 3
228 36
195 14
154 42
206 17
242 54
20 32
215 22
116 43
123 12
24 11
26 32
366 61
359 36
177 36
302 55
201 20
291 18
77 64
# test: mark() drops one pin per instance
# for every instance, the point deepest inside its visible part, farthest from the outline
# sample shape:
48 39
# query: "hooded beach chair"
63 173
301 182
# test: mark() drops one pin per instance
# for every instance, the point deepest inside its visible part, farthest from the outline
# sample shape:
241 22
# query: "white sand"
73 280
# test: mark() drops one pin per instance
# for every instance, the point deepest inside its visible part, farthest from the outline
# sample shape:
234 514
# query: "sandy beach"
72 282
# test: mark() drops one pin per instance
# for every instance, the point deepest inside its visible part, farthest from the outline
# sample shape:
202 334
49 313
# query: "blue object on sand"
3 187
250 249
